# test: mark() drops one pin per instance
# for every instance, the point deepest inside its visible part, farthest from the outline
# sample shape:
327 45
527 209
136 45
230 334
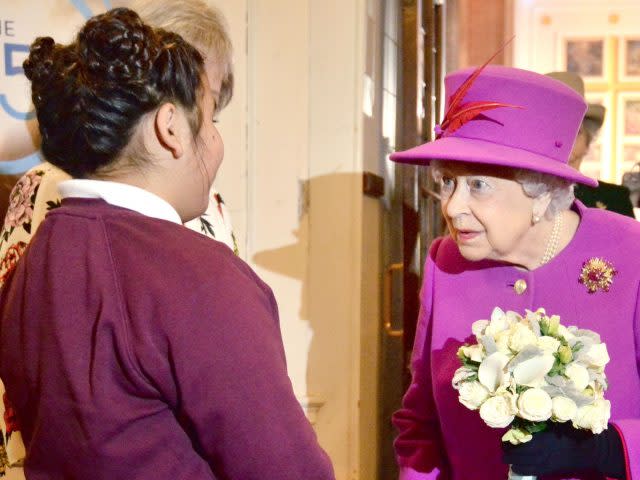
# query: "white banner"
20 23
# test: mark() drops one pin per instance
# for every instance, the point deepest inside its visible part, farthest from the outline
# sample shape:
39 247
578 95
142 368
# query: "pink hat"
533 126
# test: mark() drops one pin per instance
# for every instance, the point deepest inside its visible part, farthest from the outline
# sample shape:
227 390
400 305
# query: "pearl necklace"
554 240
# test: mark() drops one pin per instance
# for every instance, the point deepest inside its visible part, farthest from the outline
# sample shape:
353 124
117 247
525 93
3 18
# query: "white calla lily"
531 372
491 372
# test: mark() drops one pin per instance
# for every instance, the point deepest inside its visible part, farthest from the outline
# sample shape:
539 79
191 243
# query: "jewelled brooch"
597 274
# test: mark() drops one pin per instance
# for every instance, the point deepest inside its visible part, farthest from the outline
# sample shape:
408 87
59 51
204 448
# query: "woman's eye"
447 184
478 185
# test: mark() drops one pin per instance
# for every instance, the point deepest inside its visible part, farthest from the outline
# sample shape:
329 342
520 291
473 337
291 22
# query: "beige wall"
307 219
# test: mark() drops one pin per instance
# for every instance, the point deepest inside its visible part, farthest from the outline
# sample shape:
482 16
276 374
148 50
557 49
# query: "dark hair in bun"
89 95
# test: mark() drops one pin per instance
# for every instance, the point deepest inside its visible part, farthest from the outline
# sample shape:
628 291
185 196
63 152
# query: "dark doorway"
413 215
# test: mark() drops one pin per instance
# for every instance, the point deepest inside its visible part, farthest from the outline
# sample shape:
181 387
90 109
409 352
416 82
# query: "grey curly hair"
535 184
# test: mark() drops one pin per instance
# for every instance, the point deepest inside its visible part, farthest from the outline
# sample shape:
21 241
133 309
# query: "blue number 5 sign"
10 67
13 55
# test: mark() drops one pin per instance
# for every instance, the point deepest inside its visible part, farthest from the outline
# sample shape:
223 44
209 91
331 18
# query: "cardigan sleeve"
234 395
419 443
629 428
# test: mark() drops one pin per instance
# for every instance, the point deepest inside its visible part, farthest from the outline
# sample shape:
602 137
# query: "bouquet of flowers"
524 372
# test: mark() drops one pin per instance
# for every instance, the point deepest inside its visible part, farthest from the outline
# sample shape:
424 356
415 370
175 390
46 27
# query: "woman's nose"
457 202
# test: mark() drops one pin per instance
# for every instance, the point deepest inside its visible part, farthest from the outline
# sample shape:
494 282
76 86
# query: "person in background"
130 346
608 196
518 241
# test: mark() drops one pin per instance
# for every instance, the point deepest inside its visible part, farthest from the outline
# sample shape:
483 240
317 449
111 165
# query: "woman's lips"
466 235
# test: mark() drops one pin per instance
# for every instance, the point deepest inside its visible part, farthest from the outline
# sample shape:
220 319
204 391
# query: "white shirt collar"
120 195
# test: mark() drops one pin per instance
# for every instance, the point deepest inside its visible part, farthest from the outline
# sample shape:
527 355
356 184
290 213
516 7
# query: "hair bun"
116 46
100 85
40 61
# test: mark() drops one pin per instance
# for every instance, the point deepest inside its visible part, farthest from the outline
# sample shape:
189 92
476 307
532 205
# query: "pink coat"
440 438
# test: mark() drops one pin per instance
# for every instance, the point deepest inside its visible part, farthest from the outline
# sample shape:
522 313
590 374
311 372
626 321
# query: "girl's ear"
167 126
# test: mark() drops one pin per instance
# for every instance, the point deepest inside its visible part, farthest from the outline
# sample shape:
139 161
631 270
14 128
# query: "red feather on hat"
460 113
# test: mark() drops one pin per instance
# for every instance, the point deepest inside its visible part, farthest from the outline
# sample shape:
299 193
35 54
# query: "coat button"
520 286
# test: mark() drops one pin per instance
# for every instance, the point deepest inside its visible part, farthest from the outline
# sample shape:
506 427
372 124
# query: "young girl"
36 193
122 355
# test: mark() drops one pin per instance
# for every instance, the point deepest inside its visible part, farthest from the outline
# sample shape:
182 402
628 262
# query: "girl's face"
209 136
487 212
208 149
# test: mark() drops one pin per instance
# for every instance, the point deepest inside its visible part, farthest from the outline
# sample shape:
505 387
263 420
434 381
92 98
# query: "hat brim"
471 150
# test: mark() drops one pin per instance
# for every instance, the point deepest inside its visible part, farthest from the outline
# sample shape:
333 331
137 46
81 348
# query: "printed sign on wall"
20 23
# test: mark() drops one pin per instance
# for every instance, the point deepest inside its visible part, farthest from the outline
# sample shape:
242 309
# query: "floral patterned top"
35 193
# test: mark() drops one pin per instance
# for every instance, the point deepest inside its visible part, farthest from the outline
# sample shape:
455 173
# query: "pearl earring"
536 219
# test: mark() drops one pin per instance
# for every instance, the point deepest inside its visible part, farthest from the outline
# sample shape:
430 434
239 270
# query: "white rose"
478 327
513 317
549 344
521 336
498 411
472 394
534 404
461 375
564 409
502 342
473 352
594 417
597 355
578 374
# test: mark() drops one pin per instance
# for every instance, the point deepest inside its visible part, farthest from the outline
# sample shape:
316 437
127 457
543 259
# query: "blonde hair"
202 25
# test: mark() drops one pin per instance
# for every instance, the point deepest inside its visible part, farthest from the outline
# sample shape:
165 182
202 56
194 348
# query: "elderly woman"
518 240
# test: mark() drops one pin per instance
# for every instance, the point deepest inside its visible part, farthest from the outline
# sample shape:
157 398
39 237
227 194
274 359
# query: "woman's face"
487 212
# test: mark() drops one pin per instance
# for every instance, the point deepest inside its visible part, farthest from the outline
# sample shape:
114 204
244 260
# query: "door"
413 50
